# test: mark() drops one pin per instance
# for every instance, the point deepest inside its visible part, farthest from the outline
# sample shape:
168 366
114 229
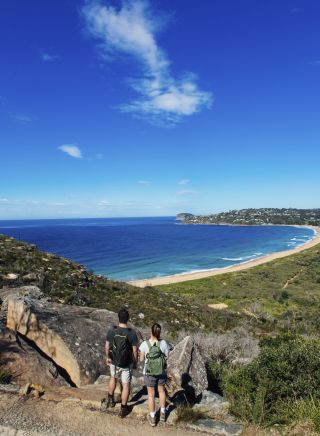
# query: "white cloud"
72 150
315 63
188 192
184 181
104 203
23 118
4 200
143 182
131 30
46 57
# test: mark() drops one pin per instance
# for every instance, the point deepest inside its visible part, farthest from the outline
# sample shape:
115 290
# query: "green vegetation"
279 386
283 294
5 376
188 414
67 282
259 217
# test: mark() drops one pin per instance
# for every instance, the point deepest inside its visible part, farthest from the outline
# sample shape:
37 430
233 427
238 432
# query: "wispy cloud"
72 150
184 181
295 10
315 63
188 192
144 182
46 57
23 118
131 30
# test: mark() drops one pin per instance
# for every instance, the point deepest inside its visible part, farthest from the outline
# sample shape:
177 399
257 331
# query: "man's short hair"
123 316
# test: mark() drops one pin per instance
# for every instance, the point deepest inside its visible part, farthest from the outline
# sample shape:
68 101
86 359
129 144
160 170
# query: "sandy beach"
165 280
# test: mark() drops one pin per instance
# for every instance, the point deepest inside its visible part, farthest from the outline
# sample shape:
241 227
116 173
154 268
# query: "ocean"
141 248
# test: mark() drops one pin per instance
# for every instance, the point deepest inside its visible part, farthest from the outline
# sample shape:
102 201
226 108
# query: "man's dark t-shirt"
132 336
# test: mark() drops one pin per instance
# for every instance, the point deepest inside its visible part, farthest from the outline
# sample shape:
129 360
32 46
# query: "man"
121 354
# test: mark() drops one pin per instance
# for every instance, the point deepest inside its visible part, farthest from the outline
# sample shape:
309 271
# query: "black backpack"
121 349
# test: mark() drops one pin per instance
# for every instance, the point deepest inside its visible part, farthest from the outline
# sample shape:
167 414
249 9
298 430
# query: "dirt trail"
39 417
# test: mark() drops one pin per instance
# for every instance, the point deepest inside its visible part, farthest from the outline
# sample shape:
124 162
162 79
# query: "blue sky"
139 108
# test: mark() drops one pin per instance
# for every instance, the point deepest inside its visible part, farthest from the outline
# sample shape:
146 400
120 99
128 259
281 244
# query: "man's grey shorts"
124 374
152 381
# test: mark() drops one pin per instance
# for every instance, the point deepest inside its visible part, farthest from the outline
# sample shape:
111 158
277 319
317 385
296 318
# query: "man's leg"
112 385
125 393
125 380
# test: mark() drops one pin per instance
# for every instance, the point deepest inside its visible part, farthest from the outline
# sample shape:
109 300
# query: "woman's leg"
151 402
162 396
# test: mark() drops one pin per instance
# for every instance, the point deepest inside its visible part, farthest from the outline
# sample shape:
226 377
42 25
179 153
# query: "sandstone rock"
186 369
217 428
25 364
28 291
25 389
212 405
73 337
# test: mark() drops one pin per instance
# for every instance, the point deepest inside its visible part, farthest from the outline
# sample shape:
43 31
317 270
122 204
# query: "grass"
282 292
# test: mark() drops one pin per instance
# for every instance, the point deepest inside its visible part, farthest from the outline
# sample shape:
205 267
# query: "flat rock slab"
216 428
73 337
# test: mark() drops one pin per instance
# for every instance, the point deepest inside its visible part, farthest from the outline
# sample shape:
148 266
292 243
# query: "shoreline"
184 277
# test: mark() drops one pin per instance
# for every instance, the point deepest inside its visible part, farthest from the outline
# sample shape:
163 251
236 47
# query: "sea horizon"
137 248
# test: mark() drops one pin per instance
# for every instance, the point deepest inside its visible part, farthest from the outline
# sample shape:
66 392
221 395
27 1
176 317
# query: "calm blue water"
138 248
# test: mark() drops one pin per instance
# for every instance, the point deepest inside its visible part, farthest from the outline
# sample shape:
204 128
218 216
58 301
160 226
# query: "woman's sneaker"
163 417
152 420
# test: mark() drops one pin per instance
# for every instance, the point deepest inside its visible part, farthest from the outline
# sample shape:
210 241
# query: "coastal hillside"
66 282
263 216
283 294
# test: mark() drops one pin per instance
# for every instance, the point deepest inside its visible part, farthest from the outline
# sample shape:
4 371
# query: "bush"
5 377
287 369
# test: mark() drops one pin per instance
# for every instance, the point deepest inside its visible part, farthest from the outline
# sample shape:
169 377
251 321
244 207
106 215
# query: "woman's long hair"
156 330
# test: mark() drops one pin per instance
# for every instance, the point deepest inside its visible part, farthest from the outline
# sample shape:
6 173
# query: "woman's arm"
141 356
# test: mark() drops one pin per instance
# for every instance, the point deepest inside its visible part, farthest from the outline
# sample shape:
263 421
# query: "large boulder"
25 364
186 369
27 291
73 337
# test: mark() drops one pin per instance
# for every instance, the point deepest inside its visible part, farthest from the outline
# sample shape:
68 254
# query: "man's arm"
107 348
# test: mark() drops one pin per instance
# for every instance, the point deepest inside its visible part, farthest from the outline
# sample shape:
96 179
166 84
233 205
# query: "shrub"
5 376
188 414
287 369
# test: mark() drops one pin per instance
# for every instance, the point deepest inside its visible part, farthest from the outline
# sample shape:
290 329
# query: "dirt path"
37 417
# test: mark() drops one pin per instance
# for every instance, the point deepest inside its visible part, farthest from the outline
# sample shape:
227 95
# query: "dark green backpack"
156 363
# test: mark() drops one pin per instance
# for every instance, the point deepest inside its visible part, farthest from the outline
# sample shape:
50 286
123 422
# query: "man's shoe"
152 420
124 411
163 417
108 402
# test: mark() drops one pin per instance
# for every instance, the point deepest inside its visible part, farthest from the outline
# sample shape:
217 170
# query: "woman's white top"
164 347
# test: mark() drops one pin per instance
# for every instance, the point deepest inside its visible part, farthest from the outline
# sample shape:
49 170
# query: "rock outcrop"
25 364
73 337
186 369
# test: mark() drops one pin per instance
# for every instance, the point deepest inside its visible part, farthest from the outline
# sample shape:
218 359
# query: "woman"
154 353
